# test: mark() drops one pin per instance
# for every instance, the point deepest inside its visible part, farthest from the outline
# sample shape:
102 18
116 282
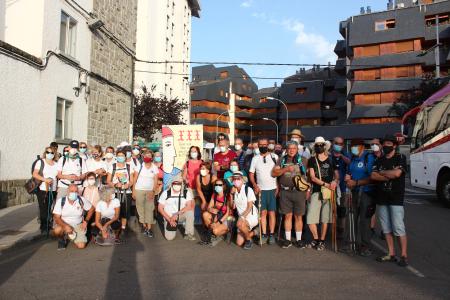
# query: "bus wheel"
443 188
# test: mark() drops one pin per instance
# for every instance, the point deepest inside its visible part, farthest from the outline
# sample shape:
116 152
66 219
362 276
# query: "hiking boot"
320 246
62 244
189 237
312 244
300 244
150 233
286 244
365 252
248 245
403 262
386 258
271 240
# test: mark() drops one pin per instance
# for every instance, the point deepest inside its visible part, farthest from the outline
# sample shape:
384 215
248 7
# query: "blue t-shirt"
361 167
340 165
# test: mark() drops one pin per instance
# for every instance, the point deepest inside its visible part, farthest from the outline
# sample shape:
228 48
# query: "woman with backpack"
144 192
45 171
205 185
96 164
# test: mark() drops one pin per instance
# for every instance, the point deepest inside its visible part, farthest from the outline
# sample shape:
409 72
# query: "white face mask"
109 155
176 187
91 182
136 152
271 146
194 155
203 172
296 140
73 151
375 148
238 147
223 149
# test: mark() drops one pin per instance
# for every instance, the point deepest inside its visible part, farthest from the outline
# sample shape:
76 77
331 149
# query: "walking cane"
259 219
333 225
49 208
351 221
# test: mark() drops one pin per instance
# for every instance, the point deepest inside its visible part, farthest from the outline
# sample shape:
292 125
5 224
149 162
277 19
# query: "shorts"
392 219
125 205
268 200
81 235
293 201
319 211
252 220
114 226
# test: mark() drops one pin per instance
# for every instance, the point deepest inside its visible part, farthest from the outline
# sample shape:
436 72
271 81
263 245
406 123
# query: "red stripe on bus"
435 144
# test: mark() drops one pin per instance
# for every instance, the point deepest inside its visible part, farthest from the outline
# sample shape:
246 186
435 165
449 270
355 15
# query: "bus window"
417 131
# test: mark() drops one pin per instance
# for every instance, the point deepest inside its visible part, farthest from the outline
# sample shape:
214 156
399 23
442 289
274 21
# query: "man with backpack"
265 185
359 183
71 170
292 200
71 219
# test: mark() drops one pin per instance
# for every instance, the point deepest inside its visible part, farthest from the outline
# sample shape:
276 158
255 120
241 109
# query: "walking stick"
49 208
333 225
259 219
351 221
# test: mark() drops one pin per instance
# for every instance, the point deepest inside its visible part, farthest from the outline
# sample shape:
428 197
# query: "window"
171 71
171 50
443 19
300 91
168 22
222 93
173 8
167 44
192 91
63 128
384 25
170 94
68 34
173 26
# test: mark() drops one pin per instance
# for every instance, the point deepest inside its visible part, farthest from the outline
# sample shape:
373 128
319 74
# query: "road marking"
414 202
424 192
409 267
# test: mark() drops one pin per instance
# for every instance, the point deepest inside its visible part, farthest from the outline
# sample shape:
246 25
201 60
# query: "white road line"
424 192
410 268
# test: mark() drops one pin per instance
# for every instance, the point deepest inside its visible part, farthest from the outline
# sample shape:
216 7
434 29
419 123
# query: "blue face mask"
337 148
234 168
73 196
49 156
157 159
218 189
120 159
355 150
128 154
83 150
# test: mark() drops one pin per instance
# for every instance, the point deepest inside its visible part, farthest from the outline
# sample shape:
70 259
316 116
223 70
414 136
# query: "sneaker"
366 252
150 233
248 245
145 232
312 244
189 237
386 258
118 241
403 262
62 244
215 241
286 244
271 240
300 244
320 246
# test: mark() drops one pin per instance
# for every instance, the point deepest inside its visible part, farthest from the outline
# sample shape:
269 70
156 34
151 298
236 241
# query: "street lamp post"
251 133
267 119
287 114
217 123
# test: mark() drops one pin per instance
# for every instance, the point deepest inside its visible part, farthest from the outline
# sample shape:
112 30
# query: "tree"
151 112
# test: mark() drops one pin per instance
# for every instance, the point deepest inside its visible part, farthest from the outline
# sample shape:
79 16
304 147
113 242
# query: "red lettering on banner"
197 135
181 135
189 135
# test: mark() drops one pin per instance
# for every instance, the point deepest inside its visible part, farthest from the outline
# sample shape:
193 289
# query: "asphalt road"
146 268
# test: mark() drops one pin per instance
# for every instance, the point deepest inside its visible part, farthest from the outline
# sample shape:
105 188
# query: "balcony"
384 85
208 122
341 66
371 111
204 109
340 48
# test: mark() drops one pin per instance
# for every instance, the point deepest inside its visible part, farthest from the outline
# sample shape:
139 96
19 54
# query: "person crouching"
107 214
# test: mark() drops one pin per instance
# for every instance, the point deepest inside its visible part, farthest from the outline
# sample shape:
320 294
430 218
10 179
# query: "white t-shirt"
241 200
304 151
147 177
107 210
121 175
92 165
263 171
134 166
71 214
49 171
71 167
109 164
171 204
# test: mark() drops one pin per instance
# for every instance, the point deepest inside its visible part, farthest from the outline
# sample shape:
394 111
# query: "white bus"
430 145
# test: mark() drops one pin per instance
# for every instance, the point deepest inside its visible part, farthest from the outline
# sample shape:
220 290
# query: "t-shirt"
171 203
241 159
193 169
109 164
107 210
303 151
286 179
121 175
49 171
391 192
71 167
360 167
71 214
262 166
241 200
91 194
147 177
342 167
326 171
224 161
92 165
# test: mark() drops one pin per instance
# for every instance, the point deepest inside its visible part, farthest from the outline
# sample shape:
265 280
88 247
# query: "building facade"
164 35
384 55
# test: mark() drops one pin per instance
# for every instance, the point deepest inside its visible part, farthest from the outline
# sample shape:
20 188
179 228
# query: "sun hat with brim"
237 174
357 142
319 140
296 132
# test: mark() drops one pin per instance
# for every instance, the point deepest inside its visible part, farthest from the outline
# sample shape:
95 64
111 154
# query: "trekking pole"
351 219
259 219
49 208
333 225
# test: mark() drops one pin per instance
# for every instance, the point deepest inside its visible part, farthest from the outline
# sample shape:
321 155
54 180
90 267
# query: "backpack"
169 193
298 159
63 202
32 184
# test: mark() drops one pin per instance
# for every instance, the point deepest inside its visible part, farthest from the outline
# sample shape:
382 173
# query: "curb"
24 241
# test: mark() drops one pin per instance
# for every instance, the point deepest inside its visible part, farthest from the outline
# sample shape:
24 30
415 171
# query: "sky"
275 31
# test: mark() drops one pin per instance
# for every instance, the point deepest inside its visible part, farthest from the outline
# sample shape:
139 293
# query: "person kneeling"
216 215
176 205
69 222
243 200
107 225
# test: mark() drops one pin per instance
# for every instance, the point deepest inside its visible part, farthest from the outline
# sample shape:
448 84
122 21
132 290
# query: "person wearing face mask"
215 217
71 169
109 157
47 177
375 146
243 201
240 153
322 173
157 161
221 136
234 167
205 186
389 174
136 154
265 185
132 161
297 136
359 183
70 220
107 214
65 152
96 165
54 146
249 157
83 152
177 205
223 158
278 150
271 146
192 167
90 191
146 182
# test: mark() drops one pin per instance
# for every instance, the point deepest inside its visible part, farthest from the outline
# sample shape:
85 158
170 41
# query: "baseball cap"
74 144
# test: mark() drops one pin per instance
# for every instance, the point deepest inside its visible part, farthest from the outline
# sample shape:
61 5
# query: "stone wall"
110 108
13 193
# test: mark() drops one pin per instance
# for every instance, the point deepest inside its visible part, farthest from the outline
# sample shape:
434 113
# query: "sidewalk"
18 223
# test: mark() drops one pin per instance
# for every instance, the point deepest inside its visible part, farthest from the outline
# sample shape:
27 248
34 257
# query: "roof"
195 7
371 111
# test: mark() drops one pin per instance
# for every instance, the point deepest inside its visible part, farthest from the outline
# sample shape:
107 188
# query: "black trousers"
43 201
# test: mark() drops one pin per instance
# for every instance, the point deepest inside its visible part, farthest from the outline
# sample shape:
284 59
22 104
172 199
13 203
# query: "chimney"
390 5
275 84
361 11
369 10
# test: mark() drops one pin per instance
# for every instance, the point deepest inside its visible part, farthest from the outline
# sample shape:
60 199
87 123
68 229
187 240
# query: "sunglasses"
83 147
320 145
49 152
218 184
340 144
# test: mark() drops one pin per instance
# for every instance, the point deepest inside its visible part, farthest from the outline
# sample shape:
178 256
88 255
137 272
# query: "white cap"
123 144
319 140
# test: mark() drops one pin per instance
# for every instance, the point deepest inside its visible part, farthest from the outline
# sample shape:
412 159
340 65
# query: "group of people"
242 194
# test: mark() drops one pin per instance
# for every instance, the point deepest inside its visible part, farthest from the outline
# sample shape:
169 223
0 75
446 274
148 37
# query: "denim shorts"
392 219
268 200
